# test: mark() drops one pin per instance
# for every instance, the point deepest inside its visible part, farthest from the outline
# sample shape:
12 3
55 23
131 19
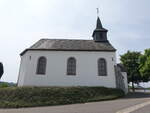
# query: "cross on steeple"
97 12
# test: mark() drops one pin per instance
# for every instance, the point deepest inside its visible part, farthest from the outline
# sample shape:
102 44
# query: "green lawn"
15 97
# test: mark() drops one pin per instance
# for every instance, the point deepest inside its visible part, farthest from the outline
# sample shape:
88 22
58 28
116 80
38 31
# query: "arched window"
102 67
41 65
71 66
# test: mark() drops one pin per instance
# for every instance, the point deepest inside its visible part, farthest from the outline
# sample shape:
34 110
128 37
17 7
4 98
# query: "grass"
16 97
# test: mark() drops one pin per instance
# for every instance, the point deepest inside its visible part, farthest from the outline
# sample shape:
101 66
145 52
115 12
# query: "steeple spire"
99 24
100 33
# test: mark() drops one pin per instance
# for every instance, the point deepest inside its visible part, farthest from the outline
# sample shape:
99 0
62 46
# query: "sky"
24 22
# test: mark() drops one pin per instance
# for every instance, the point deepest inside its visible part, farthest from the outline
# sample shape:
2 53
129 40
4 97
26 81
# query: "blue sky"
23 22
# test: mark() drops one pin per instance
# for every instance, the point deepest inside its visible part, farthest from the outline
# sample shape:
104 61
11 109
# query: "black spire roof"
100 33
99 24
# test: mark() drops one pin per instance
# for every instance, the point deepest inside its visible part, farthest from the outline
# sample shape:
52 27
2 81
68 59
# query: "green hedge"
14 97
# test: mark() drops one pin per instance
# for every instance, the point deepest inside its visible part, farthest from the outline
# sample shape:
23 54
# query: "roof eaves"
22 53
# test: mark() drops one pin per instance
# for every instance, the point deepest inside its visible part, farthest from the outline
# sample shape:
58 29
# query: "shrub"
2 85
43 96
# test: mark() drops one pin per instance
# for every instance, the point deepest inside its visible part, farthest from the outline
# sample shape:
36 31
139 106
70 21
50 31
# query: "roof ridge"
62 39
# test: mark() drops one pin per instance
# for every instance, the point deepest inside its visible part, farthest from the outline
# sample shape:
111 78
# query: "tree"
1 70
131 62
145 65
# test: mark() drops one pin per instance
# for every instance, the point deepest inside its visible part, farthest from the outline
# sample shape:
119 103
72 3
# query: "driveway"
114 106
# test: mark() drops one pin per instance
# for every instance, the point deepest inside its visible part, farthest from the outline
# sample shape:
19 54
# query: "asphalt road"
145 109
93 107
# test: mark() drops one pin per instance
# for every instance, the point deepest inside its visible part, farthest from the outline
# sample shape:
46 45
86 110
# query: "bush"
3 85
42 96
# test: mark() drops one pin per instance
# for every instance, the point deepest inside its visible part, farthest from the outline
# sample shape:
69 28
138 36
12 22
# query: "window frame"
103 70
38 71
71 71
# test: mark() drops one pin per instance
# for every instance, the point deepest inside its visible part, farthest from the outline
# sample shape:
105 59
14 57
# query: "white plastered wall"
86 71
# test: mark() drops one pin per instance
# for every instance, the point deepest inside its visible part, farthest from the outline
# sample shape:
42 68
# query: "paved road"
93 107
145 109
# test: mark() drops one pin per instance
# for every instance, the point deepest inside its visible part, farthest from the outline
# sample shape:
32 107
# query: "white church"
67 62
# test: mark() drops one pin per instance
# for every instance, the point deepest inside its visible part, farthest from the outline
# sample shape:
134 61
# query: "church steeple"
99 24
100 33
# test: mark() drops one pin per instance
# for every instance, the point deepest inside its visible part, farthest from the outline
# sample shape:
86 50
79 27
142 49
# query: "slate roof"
70 45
